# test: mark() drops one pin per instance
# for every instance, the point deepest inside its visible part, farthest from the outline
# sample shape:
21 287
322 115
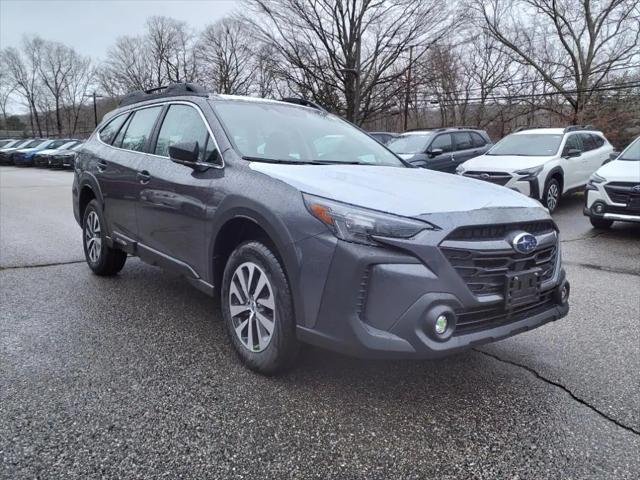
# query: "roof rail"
418 130
171 90
525 127
304 102
573 128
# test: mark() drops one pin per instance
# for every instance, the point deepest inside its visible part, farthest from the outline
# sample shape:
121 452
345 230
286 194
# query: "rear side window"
463 140
109 131
598 141
478 141
442 142
139 128
183 124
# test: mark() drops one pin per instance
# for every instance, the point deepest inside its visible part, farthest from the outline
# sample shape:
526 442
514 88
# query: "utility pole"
408 89
94 95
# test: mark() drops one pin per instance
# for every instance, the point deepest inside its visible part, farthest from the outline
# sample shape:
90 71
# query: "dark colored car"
442 149
7 150
7 142
310 231
383 137
23 157
43 157
65 158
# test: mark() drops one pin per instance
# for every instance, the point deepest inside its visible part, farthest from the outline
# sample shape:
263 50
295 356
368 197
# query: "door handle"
143 176
102 166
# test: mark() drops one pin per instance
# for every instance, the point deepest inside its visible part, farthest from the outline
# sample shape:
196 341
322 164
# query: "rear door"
443 161
464 148
172 207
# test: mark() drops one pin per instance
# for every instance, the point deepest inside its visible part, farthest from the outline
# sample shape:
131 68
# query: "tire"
102 259
602 223
551 195
253 267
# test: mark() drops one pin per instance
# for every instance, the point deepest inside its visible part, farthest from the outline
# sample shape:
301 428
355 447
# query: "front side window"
139 129
276 132
442 142
588 141
528 145
478 141
632 153
411 143
574 142
183 124
109 131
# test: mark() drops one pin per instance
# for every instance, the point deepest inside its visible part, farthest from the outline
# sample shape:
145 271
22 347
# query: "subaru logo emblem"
636 189
524 243
485 176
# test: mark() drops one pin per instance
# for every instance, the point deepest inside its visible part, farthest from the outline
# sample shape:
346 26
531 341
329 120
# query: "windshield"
33 144
528 145
409 143
632 153
271 132
57 144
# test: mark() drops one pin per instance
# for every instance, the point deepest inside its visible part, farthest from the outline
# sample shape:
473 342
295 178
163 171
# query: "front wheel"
602 223
551 194
258 309
102 259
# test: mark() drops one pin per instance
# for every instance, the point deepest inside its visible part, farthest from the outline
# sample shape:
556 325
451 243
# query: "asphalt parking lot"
132 376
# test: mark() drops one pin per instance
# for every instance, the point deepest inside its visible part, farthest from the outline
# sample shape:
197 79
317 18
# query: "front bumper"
598 204
383 303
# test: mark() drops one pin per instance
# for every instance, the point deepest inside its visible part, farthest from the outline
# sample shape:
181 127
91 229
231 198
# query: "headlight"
530 172
595 178
358 225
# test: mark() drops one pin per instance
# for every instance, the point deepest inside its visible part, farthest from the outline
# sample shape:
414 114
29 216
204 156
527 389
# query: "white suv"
542 163
613 192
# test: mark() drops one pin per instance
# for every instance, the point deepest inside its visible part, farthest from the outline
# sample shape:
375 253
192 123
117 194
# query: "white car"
613 192
542 163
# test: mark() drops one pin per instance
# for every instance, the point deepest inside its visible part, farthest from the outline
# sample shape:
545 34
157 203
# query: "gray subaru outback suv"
311 231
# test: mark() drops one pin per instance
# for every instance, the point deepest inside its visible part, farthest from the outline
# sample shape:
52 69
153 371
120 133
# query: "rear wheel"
101 258
258 310
601 222
551 195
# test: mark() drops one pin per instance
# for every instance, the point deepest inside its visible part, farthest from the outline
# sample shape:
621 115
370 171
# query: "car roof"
555 130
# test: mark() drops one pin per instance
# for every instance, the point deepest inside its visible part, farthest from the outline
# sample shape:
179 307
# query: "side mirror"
185 153
435 152
573 153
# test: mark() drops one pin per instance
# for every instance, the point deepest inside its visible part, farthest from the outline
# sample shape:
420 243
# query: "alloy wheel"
552 196
252 306
93 240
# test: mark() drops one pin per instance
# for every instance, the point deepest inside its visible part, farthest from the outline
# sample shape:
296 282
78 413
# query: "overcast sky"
91 26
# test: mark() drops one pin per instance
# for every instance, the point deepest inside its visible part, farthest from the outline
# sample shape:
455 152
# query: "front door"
174 198
573 167
442 161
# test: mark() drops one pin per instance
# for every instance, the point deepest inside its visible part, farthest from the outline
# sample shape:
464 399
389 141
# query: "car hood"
26 150
402 191
621 171
502 163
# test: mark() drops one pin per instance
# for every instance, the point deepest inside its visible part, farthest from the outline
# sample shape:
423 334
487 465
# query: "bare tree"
171 48
573 45
22 68
78 82
128 66
227 56
7 89
348 51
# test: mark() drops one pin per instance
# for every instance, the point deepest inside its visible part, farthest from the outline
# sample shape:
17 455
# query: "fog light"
564 293
441 324
599 209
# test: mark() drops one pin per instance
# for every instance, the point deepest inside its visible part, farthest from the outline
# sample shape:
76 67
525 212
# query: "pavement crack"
626 271
562 387
41 265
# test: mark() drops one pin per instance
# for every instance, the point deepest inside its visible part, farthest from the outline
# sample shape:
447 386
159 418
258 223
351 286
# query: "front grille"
485 272
499 178
622 210
489 317
496 232
621 192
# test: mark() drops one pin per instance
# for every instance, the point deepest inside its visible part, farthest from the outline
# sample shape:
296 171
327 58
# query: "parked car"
65 158
384 137
441 149
613 191
542 163
24 156
7 151
7 142
356 251
43 157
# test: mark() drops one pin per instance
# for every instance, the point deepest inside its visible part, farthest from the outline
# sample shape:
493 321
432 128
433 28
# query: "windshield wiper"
301 162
